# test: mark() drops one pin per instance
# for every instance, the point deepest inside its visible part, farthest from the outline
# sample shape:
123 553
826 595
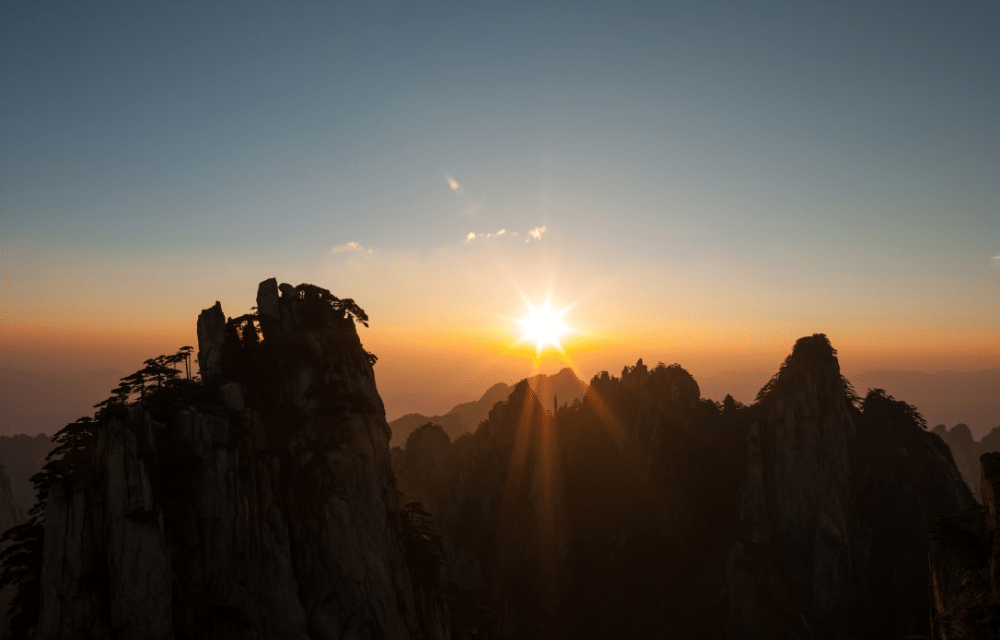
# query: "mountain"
564 386
264 501
646 511
35 403
946 397
965 564
23 456
11 515
967 452
259 503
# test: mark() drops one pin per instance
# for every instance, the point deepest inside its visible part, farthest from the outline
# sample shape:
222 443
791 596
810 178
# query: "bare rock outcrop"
835 509
966 452
965 565
803 516
261 504
211 336
11 515
422 467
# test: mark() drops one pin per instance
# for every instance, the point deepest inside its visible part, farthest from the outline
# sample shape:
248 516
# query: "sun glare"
544 326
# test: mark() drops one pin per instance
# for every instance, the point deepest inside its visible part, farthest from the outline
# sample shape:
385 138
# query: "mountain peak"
812 364
814 350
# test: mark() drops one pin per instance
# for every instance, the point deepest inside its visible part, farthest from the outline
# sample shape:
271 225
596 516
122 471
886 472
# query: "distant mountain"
946 397
45 402
23 456
564 386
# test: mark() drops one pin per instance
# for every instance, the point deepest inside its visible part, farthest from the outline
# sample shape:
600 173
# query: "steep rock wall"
802 516
965 565
834 511
265 508
11 515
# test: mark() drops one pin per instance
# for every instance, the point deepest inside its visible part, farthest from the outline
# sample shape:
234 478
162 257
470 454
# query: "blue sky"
800 160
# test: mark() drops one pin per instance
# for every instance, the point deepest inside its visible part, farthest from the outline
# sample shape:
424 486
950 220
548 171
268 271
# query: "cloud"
995 258
473 235
535 233
453 183
474 208
351 246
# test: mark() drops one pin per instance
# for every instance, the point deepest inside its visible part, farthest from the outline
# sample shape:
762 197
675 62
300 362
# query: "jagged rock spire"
211 335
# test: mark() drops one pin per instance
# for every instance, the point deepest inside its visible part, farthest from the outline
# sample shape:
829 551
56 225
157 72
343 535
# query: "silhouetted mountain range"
945 397
802 516
264 501
564 386
965 563
967 452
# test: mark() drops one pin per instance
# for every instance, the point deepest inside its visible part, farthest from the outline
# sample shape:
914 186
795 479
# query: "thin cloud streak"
535 233
350 246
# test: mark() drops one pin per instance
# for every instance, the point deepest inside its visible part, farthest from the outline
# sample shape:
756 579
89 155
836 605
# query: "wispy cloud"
533 234
351 246
453 183
536 233
472 235
995 258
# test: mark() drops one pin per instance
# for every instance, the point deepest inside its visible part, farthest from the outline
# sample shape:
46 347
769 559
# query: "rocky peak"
427 451
258 504
835 505
422 466
812 371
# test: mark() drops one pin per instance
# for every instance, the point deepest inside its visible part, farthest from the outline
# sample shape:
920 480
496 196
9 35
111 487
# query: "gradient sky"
714 179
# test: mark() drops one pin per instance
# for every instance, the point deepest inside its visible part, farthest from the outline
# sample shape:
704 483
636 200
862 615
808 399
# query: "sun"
544 326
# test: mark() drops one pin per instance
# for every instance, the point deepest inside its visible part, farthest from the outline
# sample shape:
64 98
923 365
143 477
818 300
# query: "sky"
695 182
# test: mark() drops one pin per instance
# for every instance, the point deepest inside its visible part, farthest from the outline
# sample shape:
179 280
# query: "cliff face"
465 417
10 512
495 497
795 544
596 521
835 510
263 508
967 452
802 516
965 565
11 515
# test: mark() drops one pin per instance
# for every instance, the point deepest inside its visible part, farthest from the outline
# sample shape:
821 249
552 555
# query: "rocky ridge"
965 564
259 504
968 452
801 516
563 387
